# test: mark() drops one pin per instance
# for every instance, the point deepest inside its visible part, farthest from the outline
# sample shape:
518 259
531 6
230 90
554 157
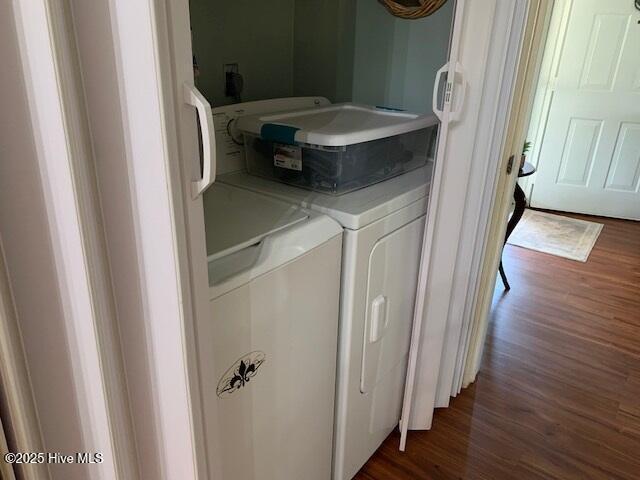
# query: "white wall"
396 59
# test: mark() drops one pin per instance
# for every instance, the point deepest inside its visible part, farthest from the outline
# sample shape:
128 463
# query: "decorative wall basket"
412 9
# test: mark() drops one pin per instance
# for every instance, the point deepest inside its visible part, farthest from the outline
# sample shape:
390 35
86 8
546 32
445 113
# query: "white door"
590 154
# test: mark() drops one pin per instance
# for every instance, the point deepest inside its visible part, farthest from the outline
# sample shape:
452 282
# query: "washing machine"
383 227
267 351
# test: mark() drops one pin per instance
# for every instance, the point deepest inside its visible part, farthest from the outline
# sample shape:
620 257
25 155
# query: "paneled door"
590 153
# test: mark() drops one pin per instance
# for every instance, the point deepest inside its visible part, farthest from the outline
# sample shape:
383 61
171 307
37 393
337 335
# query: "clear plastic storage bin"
325 167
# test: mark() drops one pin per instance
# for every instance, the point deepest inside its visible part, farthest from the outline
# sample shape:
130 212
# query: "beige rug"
562 236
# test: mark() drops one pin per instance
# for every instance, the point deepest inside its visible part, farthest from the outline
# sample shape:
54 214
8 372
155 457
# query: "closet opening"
325 133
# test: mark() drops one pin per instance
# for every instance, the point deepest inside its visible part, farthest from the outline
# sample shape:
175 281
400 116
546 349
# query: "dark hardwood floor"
558 394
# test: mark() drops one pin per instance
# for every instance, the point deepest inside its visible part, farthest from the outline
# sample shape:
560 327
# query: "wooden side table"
521 203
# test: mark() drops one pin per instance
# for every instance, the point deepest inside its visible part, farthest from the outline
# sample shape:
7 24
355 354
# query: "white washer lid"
335 125
236 218
249 234
352 210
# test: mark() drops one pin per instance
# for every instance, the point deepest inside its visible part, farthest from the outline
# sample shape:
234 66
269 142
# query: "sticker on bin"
287 156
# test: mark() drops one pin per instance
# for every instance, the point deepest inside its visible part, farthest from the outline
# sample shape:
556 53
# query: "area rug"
562 236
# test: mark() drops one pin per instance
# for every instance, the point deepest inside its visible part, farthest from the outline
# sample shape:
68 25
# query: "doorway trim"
526 70
549 52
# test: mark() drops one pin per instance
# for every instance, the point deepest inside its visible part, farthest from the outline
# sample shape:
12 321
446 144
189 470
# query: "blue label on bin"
279 133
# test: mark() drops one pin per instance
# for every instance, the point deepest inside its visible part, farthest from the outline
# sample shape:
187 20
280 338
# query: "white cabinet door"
590 155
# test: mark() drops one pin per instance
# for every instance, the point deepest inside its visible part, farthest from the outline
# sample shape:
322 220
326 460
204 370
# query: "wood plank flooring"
558 394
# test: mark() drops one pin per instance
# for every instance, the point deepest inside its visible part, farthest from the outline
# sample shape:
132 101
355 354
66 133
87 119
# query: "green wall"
395 60
341 49
258 35
324 35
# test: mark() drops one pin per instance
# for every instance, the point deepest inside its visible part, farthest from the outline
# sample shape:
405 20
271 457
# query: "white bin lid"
334 125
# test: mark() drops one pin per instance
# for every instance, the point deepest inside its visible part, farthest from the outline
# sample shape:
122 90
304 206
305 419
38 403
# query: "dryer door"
391 288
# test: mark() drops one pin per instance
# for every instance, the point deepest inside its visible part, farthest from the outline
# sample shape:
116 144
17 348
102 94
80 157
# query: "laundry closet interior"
316 157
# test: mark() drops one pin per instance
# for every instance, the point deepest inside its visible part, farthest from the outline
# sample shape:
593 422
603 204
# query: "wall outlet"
233 81
230 68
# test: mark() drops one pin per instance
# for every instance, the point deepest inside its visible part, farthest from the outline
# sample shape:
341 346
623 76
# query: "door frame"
518 31
527 69
550 51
